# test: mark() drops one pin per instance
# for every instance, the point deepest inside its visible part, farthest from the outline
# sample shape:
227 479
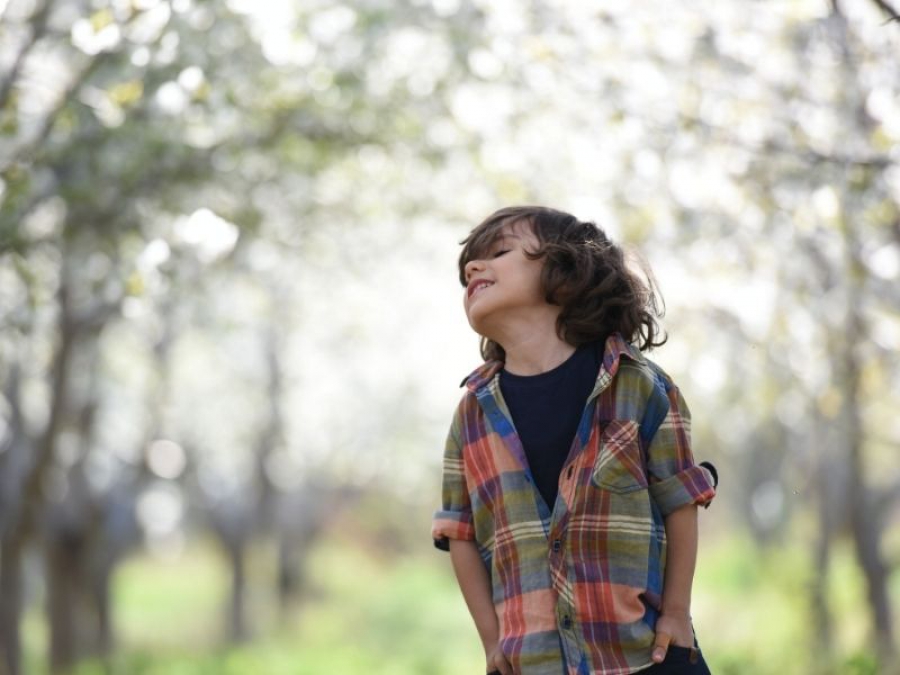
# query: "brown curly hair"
584 273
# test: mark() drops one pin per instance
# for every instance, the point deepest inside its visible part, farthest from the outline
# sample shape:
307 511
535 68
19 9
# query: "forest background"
231 331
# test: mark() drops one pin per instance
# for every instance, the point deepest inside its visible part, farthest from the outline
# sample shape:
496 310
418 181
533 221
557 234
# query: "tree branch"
39 27
51 118
803 153
887 9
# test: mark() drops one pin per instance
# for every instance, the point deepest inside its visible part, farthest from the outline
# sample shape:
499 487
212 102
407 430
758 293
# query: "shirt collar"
481 376
616 346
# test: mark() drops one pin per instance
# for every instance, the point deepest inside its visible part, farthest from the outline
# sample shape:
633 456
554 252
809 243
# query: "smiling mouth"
479 286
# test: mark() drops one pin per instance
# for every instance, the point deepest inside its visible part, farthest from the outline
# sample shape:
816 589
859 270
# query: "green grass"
363 614
369 612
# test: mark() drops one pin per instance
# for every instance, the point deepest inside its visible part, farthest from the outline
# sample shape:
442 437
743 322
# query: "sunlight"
166 458
209 234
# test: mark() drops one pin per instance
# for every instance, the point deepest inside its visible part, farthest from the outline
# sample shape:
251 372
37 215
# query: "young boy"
570 492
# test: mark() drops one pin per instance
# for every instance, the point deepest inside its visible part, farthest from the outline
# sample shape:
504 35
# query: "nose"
473 266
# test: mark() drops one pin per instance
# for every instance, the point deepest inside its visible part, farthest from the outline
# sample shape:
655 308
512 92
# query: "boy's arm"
677 485
475 585
674 625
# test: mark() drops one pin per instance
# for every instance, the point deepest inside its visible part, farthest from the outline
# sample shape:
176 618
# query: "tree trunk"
821 616
22 527
865 525
238 624
13 465
288 573
104 613
10 606
62 603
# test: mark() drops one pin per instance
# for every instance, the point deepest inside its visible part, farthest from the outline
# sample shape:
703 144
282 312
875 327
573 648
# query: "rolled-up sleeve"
675 479
454 519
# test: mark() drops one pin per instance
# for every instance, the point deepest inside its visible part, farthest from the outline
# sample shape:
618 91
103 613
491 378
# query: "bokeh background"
231 332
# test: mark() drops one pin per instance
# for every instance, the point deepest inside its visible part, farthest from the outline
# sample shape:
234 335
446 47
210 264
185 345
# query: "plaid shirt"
580 584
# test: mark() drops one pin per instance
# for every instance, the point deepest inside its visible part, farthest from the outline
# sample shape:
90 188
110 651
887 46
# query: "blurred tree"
820 176
754 155
170 171
117 119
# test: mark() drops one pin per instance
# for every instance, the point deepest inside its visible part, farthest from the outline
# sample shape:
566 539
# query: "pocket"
684 661
676 654
620 465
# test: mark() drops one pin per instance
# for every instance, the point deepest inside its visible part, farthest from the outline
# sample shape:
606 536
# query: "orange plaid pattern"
577 584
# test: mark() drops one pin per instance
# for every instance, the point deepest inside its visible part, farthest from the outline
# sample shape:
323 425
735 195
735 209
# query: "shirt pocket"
620 464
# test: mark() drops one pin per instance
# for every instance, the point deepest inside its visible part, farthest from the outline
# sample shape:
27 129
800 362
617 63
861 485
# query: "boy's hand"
497 663
672 629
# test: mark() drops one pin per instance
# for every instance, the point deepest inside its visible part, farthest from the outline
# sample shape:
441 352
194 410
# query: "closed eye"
499 253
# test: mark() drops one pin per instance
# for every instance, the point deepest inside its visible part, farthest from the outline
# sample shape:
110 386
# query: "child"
569 488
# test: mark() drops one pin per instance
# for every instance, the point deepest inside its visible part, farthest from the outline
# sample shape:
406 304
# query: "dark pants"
680 661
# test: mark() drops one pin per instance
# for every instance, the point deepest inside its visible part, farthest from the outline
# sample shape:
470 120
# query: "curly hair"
584 273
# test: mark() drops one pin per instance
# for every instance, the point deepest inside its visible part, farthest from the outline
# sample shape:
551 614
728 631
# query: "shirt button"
557 545
567 622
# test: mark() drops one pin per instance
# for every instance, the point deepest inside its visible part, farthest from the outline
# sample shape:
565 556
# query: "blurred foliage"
228 310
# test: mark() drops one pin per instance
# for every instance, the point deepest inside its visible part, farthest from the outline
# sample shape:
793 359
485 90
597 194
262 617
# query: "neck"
533 348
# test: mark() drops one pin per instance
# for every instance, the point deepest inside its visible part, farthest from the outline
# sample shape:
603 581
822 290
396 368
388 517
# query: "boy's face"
503 284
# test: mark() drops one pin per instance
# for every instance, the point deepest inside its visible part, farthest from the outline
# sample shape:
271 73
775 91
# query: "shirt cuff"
694 485
448 525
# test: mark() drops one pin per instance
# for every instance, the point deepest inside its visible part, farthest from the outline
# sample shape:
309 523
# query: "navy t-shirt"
545 411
